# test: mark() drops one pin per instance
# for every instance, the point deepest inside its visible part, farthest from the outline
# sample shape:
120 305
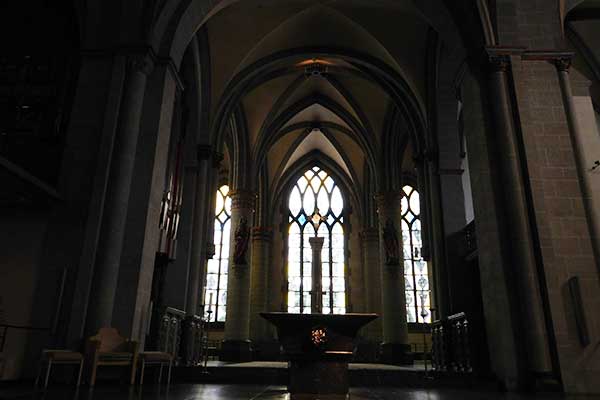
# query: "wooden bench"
108 348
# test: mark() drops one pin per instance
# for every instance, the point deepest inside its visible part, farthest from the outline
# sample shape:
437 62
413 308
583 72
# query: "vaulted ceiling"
316 100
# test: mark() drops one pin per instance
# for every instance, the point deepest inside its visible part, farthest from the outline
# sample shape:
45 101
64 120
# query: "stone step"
360 375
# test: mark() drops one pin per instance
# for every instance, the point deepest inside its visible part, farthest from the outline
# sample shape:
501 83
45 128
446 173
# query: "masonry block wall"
560 216
535 26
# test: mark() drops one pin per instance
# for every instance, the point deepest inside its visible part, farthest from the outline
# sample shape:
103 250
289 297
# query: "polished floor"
260 392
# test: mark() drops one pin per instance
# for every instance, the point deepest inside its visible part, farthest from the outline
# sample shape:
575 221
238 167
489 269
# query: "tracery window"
418 299
316 193
216 278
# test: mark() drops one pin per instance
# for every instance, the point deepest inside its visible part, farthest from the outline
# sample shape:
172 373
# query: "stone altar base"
318 379
319 348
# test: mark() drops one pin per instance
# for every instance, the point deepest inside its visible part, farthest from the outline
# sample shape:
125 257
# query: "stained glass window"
215 296
418 299
316 192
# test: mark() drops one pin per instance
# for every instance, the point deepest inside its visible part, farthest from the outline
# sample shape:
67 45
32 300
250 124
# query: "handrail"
5 327
24 327
175 311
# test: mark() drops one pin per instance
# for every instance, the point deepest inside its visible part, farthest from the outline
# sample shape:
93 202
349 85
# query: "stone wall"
19 272
560 216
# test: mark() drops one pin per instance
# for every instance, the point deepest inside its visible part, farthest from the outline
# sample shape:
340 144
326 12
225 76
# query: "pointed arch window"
216 277
416 274
316 194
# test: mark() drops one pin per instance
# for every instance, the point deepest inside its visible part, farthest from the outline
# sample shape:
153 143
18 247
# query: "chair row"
107 348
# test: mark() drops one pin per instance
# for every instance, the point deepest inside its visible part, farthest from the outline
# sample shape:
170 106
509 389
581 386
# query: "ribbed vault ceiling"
319 103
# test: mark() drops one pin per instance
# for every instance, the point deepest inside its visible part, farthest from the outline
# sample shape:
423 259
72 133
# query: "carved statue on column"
242 239
390 241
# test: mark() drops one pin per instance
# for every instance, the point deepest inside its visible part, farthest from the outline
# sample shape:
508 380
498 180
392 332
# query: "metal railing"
4 332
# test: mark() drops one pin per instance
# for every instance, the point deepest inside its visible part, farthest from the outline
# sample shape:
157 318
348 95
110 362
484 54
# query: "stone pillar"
432 228
177 285
112 231
523 263
199 229
316 295
236 345
491 247
261 251
131 313
199 252
372 281
395 347
576 135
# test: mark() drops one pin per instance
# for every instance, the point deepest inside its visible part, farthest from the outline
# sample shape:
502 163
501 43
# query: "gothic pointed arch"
316 209
350 191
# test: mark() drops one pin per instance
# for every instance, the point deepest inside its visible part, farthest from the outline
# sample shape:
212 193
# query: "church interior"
391 196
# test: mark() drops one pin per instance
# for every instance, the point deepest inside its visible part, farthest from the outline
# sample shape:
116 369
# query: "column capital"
242 199
563 64
369 235
388 199
206 152
316 243
263 233
426 155
499 62
499 56
140 62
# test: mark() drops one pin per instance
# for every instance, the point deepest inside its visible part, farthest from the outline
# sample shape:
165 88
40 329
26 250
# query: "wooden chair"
52 357
156 358
108 348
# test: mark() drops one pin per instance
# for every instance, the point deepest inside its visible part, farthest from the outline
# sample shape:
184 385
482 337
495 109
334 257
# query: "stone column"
523 261
261 251
432 228
372 280
202 204
316 295
576 134
177 285
116 201
206 158
395 347
131 313
236 345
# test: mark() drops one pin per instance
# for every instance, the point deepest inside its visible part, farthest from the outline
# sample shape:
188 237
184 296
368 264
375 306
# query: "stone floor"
284 365
258 392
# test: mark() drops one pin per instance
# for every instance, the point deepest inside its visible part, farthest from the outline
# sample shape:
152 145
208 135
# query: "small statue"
242 238
390 241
